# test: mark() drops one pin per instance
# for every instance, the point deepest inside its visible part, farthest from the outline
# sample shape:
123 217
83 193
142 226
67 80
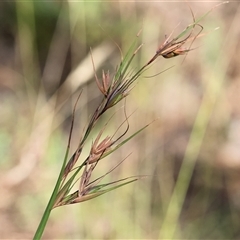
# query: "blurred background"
191 150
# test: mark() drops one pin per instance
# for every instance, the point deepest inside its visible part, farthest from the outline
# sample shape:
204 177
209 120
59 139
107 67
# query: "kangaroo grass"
114 89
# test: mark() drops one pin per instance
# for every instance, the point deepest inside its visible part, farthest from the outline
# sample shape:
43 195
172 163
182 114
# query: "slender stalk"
46 214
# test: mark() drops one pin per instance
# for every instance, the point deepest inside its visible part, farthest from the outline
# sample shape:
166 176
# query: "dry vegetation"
191 151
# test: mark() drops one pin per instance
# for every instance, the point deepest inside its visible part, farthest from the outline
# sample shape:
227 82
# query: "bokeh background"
191 150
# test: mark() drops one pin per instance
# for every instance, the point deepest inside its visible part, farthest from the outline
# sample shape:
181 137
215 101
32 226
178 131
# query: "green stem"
46 214
50 204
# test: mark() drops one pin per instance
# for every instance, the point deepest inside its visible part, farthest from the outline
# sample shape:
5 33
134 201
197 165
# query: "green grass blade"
191 26
101 186
125 62
96 193
124 141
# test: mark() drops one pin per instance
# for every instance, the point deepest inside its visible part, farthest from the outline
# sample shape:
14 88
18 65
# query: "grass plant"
114 88
182 142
